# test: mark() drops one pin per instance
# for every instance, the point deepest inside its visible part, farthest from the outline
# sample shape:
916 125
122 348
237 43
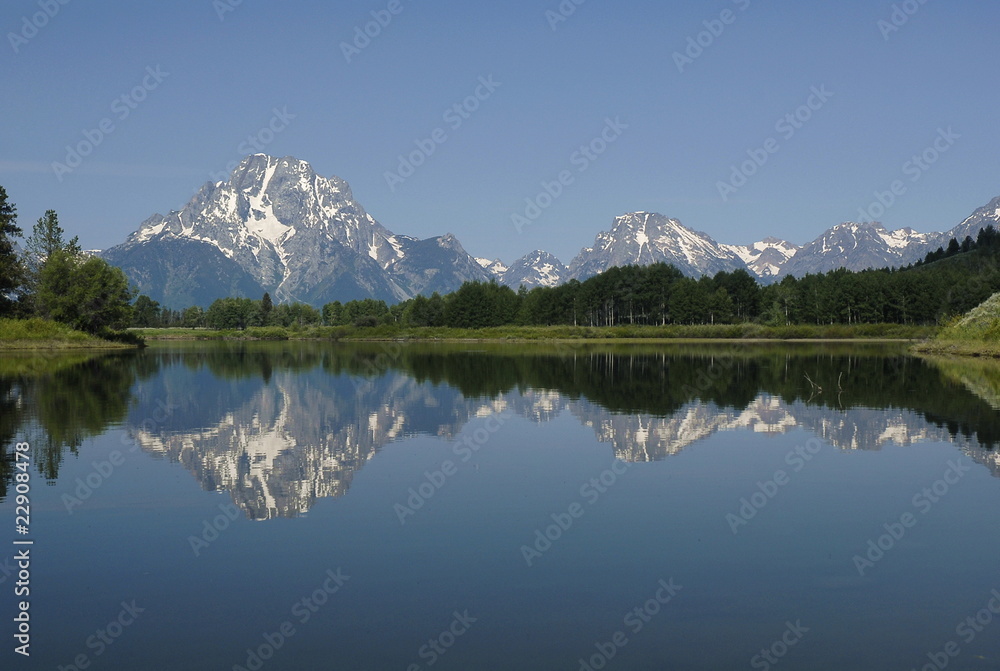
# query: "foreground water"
381 506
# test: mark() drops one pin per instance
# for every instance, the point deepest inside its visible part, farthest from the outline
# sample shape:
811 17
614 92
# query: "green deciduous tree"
295 314
193 317
366 312
86 293
333 314
146 312
231 313
481 305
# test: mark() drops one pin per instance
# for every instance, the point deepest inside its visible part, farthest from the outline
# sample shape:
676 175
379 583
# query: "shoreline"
596 341
970 349
61 345
748 333
43 335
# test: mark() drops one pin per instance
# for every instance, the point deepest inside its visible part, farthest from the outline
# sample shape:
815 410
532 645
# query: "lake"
236 505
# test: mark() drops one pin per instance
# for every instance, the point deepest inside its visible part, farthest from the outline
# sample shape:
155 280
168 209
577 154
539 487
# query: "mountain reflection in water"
281 425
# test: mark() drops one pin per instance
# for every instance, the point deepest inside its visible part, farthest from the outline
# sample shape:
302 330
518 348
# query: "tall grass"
975 334
40 329
980 323
42 333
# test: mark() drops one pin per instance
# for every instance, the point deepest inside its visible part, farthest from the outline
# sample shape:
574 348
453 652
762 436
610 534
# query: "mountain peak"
298 235
535 269
277 225
641 238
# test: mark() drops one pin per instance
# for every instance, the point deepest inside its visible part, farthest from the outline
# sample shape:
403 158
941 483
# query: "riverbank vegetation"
54 294
35 334
654 301
52 279
541 333
976 333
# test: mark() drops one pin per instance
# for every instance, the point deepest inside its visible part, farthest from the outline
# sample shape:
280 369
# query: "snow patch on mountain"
536 269
764 258
301 236
643 238
496 267
304 237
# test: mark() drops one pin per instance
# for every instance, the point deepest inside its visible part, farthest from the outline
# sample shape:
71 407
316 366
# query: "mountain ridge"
278 226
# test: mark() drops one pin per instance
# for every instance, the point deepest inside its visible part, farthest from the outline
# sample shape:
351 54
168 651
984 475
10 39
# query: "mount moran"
277 226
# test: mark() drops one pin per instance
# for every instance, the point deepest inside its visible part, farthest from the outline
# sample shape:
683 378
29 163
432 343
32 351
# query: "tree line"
923 293
50 277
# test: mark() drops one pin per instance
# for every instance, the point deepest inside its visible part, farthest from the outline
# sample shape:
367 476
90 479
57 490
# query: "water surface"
389 506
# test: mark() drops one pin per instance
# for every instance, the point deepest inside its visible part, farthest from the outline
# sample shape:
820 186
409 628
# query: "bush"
267 333
367 321
125 337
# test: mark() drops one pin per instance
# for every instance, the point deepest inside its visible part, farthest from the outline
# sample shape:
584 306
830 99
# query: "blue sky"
210 75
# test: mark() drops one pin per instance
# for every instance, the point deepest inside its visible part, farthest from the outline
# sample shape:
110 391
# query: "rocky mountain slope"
277 226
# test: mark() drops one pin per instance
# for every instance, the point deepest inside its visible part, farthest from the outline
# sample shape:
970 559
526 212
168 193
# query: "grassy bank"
973 348
975 334
34 334
533 333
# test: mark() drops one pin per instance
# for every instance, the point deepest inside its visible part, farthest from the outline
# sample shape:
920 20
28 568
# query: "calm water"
325 506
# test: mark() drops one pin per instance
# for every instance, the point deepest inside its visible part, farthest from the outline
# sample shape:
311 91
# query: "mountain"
858 247
641 238
277 226
181 272
435 264
766 258
988 215
537 269
644 238
869 245
496 267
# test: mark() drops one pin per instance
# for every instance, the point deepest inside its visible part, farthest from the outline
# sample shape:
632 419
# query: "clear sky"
201 77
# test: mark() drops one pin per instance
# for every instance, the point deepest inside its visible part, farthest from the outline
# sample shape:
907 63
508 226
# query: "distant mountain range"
277 226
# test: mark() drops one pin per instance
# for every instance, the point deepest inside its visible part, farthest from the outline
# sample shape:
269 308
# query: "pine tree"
45 242
266 307
11 269
953 248
46 239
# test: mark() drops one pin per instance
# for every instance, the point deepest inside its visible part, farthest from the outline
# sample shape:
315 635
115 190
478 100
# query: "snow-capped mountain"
858 247
988 215
496 267
277 226
436 264
766 258
644 238
537 269
869 245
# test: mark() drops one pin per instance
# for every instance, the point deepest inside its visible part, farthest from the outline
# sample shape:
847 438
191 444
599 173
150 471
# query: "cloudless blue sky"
557 87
